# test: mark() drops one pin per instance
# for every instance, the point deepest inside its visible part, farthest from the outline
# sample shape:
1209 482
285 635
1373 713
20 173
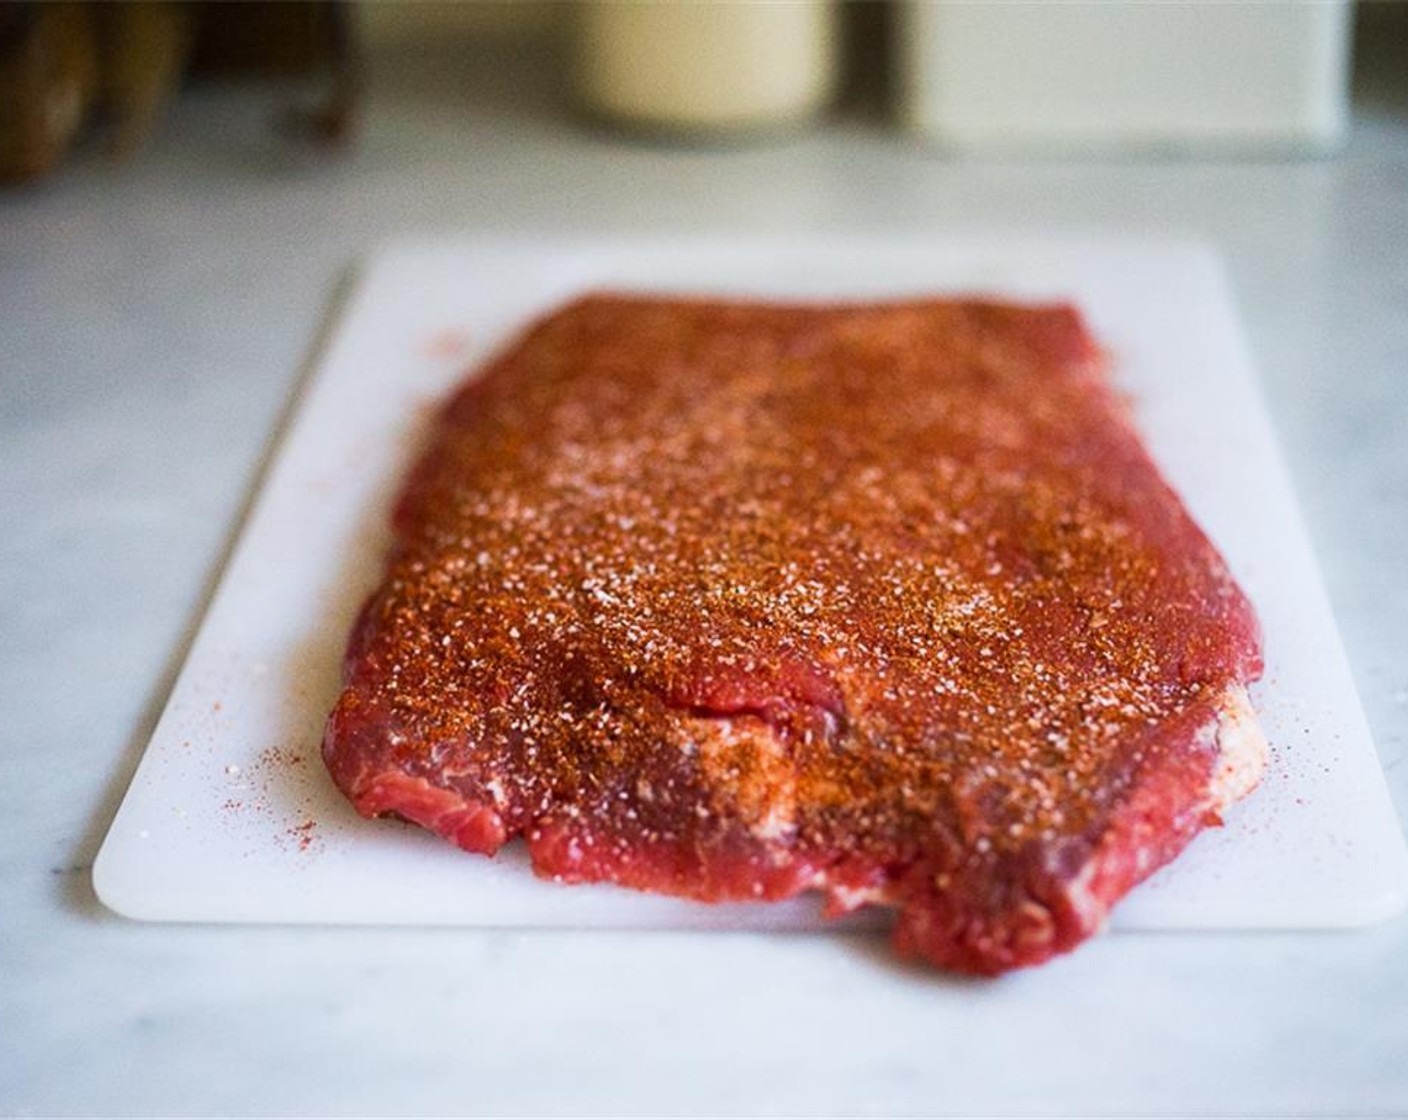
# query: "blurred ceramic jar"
710 69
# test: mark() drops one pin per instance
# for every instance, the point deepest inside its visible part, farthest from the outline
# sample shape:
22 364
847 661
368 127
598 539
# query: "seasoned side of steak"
731 600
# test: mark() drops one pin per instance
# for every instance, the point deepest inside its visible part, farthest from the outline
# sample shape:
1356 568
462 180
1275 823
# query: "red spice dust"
266 788
303 833
447 344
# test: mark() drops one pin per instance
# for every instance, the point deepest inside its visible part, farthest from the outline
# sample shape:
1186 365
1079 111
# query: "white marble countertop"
153 320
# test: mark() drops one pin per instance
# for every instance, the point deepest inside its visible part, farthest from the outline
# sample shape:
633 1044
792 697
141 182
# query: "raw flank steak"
736 600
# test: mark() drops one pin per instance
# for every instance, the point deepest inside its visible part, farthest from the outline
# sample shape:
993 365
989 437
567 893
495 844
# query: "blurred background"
1199 79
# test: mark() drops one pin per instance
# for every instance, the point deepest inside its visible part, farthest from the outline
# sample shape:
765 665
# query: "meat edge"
1057 907
1051 906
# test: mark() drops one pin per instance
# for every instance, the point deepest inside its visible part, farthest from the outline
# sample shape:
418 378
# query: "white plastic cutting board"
230 816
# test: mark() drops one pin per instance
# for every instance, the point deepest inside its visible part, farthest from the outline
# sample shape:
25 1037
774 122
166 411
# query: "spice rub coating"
737 600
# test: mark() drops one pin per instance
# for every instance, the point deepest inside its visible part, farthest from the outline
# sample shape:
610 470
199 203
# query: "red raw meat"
737 600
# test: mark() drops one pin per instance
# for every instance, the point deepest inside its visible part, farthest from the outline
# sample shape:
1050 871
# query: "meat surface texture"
733 600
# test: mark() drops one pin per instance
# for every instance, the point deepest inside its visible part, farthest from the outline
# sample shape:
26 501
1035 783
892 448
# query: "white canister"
1127 73
704 67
